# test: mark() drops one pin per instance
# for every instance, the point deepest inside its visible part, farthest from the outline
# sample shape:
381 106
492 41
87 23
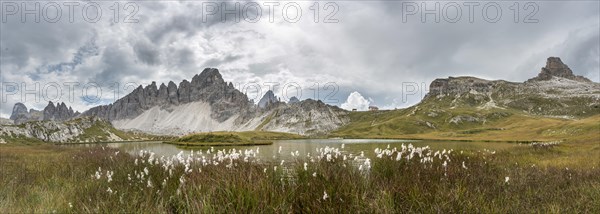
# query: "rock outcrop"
307 117
73 131
19 113
556 91
556 68
60 112
268 100
207 87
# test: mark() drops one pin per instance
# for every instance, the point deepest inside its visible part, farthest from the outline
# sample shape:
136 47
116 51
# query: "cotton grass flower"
109 175
97 175
506 179
325 196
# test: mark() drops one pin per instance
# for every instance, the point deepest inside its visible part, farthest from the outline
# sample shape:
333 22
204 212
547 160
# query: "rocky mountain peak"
208 87
267 99
59 112
207 77
18 110
293 100
556 68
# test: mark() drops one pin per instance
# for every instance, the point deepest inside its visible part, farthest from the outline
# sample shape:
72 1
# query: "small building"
373 108
353 109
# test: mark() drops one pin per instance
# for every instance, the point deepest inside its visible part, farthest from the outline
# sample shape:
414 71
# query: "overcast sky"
368 54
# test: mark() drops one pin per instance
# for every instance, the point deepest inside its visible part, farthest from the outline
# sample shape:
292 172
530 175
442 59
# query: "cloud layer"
370 49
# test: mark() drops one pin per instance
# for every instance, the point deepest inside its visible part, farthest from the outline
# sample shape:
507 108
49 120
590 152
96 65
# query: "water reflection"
310 146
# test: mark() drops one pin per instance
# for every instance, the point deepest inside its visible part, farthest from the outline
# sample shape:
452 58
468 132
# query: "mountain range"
208 103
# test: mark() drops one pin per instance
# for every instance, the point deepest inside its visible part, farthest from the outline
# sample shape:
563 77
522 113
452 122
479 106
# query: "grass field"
498 126
559 178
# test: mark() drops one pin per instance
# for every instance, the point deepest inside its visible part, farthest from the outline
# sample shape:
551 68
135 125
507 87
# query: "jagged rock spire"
208 86
556 68
267 99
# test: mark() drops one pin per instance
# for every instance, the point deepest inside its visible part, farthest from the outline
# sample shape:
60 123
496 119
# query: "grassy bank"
247 138
506 126
547 179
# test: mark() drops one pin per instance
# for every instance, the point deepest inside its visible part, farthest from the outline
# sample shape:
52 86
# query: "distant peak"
208 76
293 100
556 68
267 99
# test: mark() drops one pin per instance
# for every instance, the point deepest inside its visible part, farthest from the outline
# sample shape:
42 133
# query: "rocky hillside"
555 105
207 87
80 130
554 92
208 103
305 117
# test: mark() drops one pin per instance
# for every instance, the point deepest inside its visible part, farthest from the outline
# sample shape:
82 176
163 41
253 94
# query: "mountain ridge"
208 103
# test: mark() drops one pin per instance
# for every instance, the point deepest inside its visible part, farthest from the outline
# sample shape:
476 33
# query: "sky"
348 53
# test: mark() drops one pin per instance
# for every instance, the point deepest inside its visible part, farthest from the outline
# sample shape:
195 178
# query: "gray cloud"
370 50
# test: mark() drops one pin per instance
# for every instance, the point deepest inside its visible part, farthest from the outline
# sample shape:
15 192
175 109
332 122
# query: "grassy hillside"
420 122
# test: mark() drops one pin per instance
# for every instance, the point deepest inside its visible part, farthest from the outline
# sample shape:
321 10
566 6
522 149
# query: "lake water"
305 146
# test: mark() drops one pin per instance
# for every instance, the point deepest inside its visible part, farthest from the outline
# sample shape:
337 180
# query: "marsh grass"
53 178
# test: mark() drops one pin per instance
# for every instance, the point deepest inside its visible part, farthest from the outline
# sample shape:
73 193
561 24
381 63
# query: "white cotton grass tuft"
325 196
109 175
506 179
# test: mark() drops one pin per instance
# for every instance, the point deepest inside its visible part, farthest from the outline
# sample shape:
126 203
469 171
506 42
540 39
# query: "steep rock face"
307 117
208 103
208 87
459 85
555 92
18 109
60 112
268 100
556 68
19 113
